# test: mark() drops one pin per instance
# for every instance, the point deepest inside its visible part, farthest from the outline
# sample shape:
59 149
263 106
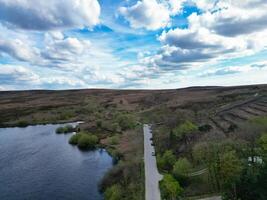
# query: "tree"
182 130
170 188
263 142
126 122
166 161
262 183
181 169
250 132
113 193
207 153
230 172
253 181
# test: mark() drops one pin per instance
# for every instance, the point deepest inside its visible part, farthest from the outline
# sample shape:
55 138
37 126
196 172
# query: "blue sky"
130 44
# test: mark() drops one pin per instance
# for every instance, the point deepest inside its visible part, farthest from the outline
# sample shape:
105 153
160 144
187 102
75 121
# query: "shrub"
22 124
113 193
260 123
263 142
87 141
232 128
113 140
115 127
60 130
205 128
99 123
170 188
68 114
75 138
259 120
65 129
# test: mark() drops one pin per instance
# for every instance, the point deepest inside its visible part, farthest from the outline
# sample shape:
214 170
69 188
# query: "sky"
132 44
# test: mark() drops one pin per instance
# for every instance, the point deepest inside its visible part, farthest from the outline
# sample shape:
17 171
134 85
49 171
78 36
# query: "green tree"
181 168
230 172
253 181
199 152
113 193
167 160
185 128
263 142
170 188
262 182
207 154
126 122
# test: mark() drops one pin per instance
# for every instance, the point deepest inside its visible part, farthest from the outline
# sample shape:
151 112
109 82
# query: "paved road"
152 175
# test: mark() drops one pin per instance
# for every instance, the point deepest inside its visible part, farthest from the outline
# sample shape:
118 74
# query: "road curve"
152 176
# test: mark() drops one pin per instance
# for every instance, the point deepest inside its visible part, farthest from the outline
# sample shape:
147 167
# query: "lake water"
37 164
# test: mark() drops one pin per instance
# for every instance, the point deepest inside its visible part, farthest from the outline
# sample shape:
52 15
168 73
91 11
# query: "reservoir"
37 163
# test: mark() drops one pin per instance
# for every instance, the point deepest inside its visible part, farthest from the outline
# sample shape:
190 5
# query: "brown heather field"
223 109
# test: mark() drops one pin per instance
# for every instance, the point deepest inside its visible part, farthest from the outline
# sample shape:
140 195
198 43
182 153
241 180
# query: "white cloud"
49 14
12 75
234 18
184 48
225 30
175 6
258 66
63 81
97 77
137 72
21 50
63 50
205 4
152 14
148 14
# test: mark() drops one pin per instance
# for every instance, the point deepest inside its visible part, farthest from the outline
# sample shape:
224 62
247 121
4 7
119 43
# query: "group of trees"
170 188
235 167
125 181
223 163
182 133
118 123
175 169
176 173
126 121
184 129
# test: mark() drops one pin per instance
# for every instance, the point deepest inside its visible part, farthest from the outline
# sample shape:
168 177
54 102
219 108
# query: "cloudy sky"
63 44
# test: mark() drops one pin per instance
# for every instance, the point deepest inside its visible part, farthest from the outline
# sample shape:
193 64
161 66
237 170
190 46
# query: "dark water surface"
36 163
